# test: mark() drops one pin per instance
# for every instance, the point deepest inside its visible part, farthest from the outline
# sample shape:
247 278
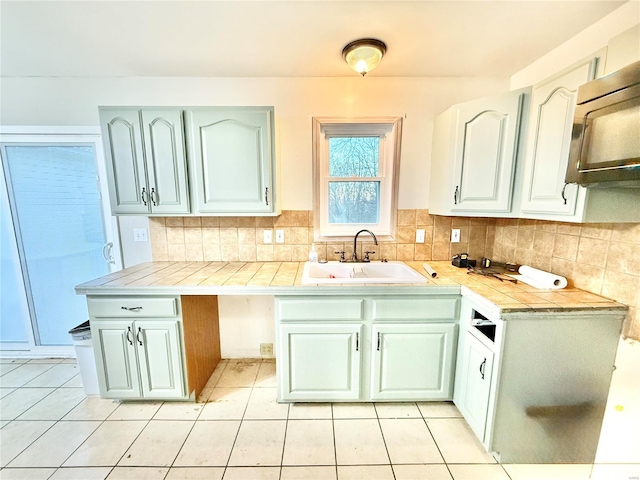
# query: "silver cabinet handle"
562 193
143 194
128 336
482 367
266 195
131 309
154 196
140 333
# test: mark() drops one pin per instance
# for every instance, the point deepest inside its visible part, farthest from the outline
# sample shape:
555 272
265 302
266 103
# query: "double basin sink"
359 273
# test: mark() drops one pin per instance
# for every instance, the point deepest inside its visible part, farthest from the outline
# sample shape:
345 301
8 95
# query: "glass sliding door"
56 208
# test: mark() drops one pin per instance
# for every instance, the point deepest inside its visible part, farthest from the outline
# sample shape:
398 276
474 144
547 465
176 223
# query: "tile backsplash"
241 238
599 258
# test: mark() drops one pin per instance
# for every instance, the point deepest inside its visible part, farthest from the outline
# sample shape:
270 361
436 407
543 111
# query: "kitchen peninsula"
538 380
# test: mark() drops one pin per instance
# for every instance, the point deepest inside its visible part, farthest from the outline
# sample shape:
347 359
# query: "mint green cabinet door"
487 133
233 160
116 364
123 146
166 161
160 358
413 361
319 362
548 139
473 399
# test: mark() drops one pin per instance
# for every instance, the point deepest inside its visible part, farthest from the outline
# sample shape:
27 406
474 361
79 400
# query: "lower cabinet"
321 361
362 351
412 361
476 370
139 359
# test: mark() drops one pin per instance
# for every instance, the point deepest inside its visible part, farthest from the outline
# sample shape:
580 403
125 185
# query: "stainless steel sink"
359 273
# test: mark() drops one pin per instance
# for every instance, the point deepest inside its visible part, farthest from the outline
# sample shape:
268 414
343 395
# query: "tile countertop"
284 278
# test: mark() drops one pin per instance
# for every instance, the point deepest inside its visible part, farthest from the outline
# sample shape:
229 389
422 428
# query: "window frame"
389 130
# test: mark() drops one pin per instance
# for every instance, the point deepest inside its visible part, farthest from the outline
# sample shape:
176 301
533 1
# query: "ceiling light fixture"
364 55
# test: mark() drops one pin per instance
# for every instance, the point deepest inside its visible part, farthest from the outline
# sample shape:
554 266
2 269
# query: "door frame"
32 135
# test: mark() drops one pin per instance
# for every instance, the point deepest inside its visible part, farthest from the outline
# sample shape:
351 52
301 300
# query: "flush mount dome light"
364 55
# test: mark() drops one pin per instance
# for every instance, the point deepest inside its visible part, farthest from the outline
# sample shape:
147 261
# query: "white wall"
619 31
74 101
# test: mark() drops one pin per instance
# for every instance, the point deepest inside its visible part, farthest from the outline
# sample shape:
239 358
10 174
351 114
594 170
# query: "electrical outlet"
266 349
420 235
455 235
140 235
279 236
267 236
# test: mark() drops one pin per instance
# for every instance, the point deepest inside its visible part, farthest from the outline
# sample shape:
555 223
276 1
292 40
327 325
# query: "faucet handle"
366 256
341 253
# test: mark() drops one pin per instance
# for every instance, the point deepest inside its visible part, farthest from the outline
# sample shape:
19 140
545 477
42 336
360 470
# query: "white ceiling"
283 38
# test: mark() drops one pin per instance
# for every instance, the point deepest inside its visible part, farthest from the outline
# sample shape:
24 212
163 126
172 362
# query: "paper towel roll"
429 270
539 278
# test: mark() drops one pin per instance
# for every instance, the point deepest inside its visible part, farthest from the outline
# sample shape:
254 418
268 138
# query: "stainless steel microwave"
605 142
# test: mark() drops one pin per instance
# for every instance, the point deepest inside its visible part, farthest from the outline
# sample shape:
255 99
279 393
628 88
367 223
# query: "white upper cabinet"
544 192
233 157
474 156
146 160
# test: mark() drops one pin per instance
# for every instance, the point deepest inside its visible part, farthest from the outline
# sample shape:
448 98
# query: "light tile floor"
237 431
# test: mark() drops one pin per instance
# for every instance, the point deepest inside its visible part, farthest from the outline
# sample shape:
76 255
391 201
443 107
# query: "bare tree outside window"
354 191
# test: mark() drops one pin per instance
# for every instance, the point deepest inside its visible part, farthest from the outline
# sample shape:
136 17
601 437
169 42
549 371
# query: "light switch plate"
267 236
140 235
279 236
455 235
420 235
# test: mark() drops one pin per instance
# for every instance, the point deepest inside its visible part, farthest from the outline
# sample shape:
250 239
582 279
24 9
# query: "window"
355 176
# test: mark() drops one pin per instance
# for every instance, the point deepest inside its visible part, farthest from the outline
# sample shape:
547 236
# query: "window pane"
353 156
354 202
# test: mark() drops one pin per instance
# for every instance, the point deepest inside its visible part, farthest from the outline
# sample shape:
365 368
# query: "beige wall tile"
588 277
310 219
177 252
423 217
406 234
174 222
228 236
423 251
282 253
229 253
264 253
509 235
321 248
407 217
626 232
546 226
194 252
543 243
592 251
287 234
596 230
458 222
441 251
442 229
175 235
247 222
159 253
540 260
211 236
193 235
523 257
299 218
623 257
524 240
247 253
157 222
405 252
212 253
562 267
299 236
264 222
566 247
299 253
192 221
247 236
621 287
210 221
389 251
228 222
283 220
158 236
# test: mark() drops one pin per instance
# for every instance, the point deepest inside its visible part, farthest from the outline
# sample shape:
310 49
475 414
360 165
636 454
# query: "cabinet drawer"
415 308
133 307
320 309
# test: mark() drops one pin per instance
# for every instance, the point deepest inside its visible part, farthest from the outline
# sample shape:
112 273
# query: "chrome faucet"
354 257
